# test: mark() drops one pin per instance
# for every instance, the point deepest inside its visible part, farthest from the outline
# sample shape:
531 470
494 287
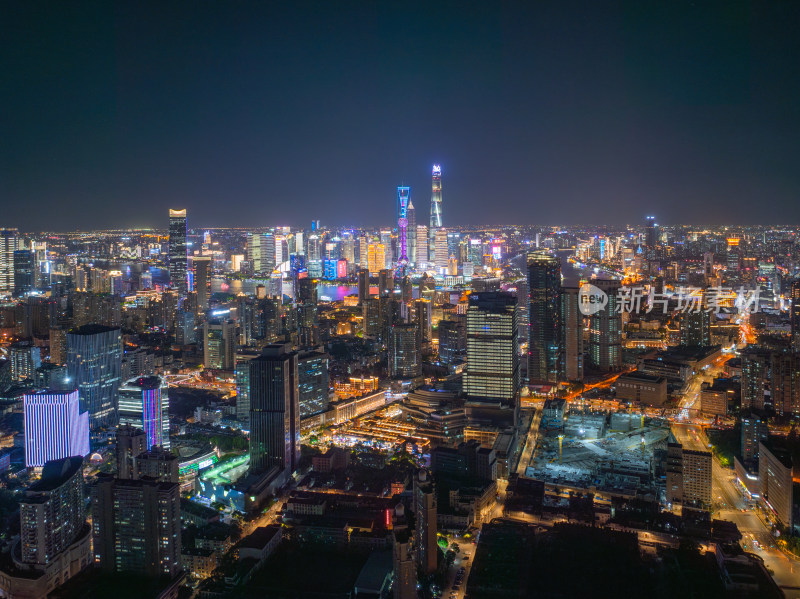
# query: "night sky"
268 114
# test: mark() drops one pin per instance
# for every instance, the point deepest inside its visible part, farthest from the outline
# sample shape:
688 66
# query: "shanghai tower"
436 210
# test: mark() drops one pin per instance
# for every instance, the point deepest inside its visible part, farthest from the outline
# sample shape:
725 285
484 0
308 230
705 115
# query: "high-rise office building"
372 323
441 254
754 385
9 243
422 245
24 272
777 486
55 427
202 281
572 335
492 371
605 331
144 404
385 283
262 253
697 479
363 285
136 525
426 526
795 315
157 463
54 538
452 340
94 366
306 300
754 430
411 217
404 585
387 241
404 351
274 410
131 442
436 210
544 318
313 382
688 477
52 514
219 344
376 258
25 359
695 328
651 232
178 251
422 316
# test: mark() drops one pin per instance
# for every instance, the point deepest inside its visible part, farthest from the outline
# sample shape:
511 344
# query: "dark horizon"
255 114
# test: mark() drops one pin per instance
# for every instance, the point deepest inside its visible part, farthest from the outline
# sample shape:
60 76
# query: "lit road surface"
530 443
786 571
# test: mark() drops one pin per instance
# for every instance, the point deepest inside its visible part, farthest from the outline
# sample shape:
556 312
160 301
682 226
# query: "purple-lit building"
402 223
55 428
143 404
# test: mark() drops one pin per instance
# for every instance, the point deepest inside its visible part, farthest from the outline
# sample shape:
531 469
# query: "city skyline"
400 300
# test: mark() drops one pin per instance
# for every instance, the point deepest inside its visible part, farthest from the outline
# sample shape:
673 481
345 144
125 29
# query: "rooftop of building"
687 352
260 537
637 375
143 382
55 473
92 329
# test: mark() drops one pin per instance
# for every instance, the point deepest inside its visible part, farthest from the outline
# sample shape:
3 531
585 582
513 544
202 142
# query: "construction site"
613 455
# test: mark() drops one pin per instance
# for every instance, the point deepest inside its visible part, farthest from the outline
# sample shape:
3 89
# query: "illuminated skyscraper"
492 372
306 301
411 216
94 365
651 232
55 428
363 285
605 330
376 258
402 224
795 315
143 403
544 317
9 243
426 525
313 382
274 410
178 251
136 525
441 255
24 272
261 252
422 245
53 516
572 335
436 210
219 344
404 351
202 283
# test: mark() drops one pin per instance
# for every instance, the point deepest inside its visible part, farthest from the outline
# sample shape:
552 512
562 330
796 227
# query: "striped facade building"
55 428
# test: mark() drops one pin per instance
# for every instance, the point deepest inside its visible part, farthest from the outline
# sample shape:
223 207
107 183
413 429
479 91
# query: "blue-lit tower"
402 224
